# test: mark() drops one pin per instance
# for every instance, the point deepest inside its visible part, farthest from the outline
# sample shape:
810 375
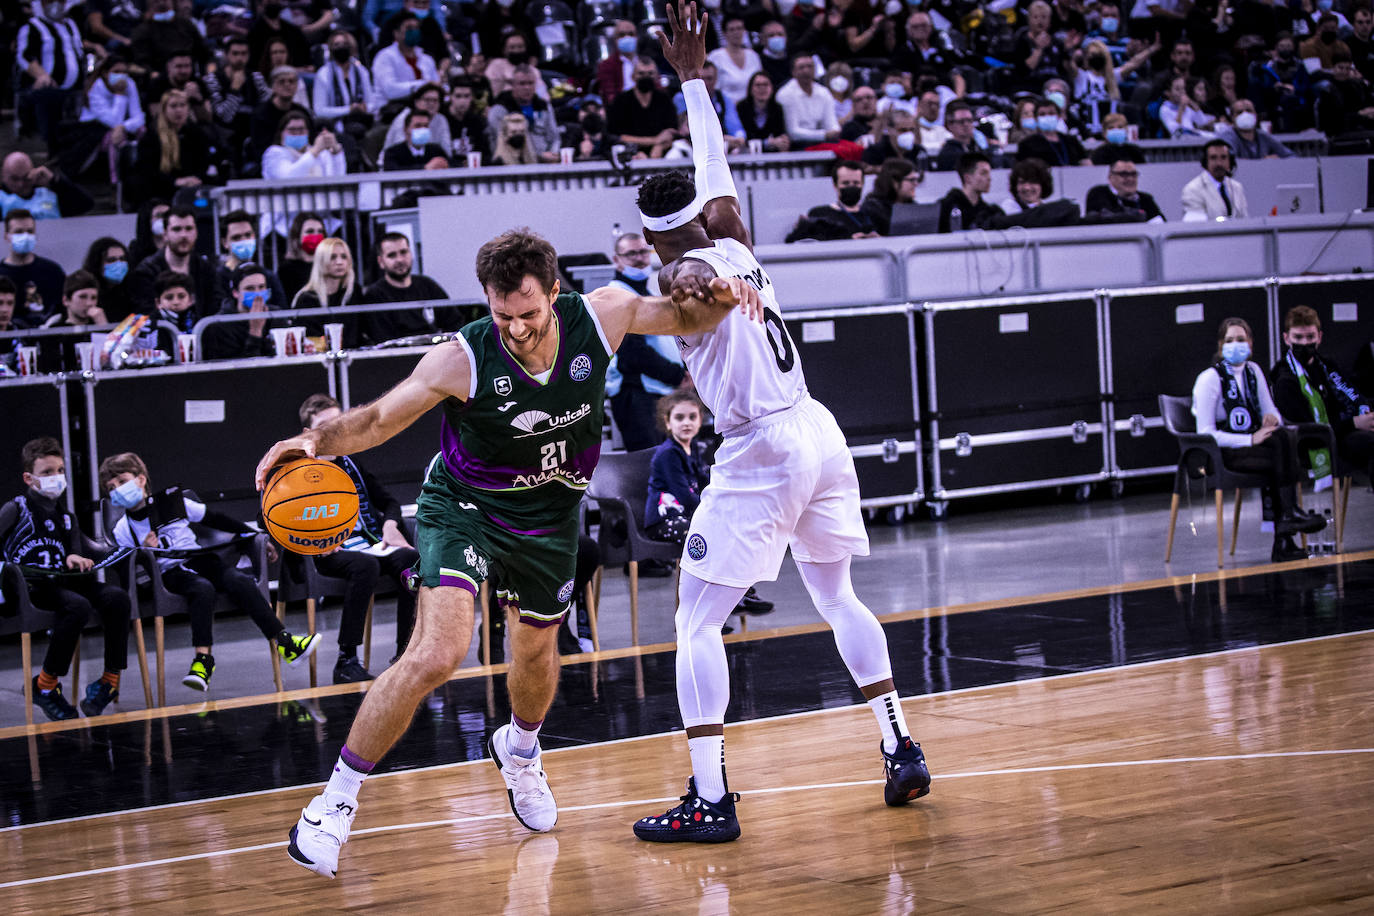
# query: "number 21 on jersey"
553 454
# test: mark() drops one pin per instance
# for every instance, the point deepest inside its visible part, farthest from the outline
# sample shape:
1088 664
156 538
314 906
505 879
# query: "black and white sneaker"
908 777
695 820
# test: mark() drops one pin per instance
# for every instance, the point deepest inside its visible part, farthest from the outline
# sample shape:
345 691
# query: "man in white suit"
1215 194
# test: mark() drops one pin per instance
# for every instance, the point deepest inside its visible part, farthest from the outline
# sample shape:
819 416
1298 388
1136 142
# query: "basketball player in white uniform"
783 477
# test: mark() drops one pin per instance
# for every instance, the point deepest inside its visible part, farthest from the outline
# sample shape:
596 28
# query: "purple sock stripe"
527 726
355 762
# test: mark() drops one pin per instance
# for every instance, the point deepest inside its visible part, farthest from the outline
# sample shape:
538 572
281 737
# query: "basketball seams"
291 482
280 527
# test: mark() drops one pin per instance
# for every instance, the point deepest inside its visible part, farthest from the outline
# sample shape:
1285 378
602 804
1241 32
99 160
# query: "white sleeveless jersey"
743 370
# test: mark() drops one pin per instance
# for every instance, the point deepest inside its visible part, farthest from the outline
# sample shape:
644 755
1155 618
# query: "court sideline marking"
645 802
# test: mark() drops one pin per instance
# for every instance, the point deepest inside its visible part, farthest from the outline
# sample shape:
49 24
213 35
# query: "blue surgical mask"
1324 5
1058 99
627 45
419 136
636 273
1235 353
1116 135
158 227
127 495
244 249
421 14
23 242
116 271
1028 123
295 141
894 90
1047 123
777 43
252 297
1109 24
412 37
118 80
166 16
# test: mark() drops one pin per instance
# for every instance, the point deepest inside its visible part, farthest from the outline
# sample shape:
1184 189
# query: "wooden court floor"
1237 782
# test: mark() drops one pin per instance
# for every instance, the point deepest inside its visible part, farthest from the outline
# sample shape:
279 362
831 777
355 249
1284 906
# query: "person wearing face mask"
774 50
1311 388
418 150
494 21
376 13
163 34
514 55
343 96
1281 87
725 109
1051 142
644 116
735 61
44 193
248 289
39 532
1232 404
108 261
433 40
38 279
50 67
306 232
111 117
898 138
1245 138
1325 43
615 74
1117 143
402 67
842 219
238 243
430 100
893 95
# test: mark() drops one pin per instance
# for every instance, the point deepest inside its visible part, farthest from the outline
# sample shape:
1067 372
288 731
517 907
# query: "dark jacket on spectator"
1068 151
773 123
971 215
399 157
198 154
1103 200
143 283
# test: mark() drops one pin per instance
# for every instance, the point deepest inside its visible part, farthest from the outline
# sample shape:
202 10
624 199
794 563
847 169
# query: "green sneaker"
198 678
294 649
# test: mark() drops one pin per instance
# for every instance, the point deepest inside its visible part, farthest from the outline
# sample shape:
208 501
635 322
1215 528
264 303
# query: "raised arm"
700 300
443 372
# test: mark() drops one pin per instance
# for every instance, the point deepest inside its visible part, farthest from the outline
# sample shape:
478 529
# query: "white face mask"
838 85
53 485
1246 120
906 141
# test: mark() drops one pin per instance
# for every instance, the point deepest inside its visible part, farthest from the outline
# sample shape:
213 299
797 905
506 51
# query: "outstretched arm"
686 51
700 300
443 372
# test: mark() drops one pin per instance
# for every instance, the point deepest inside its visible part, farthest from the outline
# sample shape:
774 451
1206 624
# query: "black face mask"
516 141
645 84
340 55
1286 54
1305 353
593 124
271 10
1328 38
516 58
849 195
1097 62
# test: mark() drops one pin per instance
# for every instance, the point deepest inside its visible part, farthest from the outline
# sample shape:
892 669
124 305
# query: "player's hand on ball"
284 451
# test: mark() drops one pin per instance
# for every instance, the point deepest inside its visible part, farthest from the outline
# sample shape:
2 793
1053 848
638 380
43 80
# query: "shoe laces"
529 781
337 820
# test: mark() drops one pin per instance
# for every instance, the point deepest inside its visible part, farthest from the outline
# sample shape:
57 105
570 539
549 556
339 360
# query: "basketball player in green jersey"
522 394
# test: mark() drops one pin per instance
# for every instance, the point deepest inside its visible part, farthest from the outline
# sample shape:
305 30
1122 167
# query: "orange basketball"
310 506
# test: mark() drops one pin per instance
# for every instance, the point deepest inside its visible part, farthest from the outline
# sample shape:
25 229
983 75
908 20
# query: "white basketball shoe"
321 832
526 785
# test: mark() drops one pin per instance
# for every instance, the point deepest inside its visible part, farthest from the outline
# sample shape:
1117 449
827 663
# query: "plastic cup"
297 345
474 160
282 341
85 355
333 333
26 360
186 348
565 155
756 146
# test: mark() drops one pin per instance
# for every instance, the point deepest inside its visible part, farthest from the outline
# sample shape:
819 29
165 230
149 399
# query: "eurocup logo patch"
565 592
502 385
1240 418
696 547
580 368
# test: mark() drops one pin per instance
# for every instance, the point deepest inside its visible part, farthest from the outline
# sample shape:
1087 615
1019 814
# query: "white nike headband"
672 220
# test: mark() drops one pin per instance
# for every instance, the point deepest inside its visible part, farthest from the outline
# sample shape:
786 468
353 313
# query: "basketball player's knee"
838 607
431 663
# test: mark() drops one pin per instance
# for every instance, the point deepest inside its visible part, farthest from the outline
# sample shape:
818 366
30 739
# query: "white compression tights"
703 679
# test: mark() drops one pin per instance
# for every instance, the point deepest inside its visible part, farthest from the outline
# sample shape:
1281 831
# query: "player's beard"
534 340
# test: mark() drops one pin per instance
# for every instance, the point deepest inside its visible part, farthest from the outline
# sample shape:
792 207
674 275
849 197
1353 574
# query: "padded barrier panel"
1019 450
31 407
888 466
1346 309
400 463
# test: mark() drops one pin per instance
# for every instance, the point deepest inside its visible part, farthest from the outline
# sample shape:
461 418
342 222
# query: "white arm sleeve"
708 144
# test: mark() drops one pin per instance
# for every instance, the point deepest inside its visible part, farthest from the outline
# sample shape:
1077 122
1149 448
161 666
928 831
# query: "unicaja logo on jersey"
696 547
536 422
580 368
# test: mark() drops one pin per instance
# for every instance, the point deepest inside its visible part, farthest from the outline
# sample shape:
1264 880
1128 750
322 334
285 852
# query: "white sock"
345 780
708 765
522 741
887 709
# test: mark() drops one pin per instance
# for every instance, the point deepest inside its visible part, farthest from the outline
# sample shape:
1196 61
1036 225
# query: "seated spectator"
181 74
898 138
863 116
332 284
175 153
48 64
1344 105
179 255
1361 39
1281 86
923 47
1035 56
398 284
735 61
896 183
467 129
38 280
150 228
964 137
248 291
7 304
434 41
541 124
80 303
774 53
512 142
1030 184
842 219
37 530
295 155
1245 138
1214 194
1181 115
1326 43
615 74
1311 388
895 95
165 518
265 126
514 55
934 135
379 522
344 98
761 116
111 23
164 32
839 79
1232 405
1051 143
111 117
964 207
306 232
730 126
428 99
175 306
402 66
1121 199
644 115
1118 146
107 259
270 26
1023 122
38 190
417 150
235 93
238 244
808 108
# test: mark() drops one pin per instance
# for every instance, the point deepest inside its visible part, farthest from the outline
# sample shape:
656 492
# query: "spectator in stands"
1121 199
36 529
1035 55
839 79
163 33
180 73
332 284
644 114
165 517
295 155
149 231
343 96
1361 39
542 135
514 55
1118 145
266 122
761 116
494 21
615 74
38 280
1232 404
512 142
238 244
966 207
430 100
1051 142
398 284
108 261
235 93
467 129
896 183
111 117
859 31
1214 194
175 305
922 48
1310 388
808 108
898 138
433 40
774 52
248 291
1245 138
177 256
418 150
40 191
50 68
275 55
402 66
1023 123
1223 91
8 295
735 61
863 114
379 518
111 23
963 137
1326 43
80 303
1281 86
933 134
895 94
1182 57
1344 105
306 232
1030 183
726 113
176 153
843 218
270 26
1180 113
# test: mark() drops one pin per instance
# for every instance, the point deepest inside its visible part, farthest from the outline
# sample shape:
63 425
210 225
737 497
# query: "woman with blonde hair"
513 141
1095 81
332 284
176 153
839 79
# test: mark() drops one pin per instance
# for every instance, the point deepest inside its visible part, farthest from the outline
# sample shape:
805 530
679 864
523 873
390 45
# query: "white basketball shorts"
788 482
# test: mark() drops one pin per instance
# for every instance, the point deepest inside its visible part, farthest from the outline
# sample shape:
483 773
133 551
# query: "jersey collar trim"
520 370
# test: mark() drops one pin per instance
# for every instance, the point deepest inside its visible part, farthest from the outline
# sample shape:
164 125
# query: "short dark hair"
17 213
968 163
956 106
42 447
1034 171
842 165
246 269
666 193
315 405
122 463
7 286
170 279
414 113
391 237
236 216
425 89
180 212
237 40
1302 316
505 261
77 281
